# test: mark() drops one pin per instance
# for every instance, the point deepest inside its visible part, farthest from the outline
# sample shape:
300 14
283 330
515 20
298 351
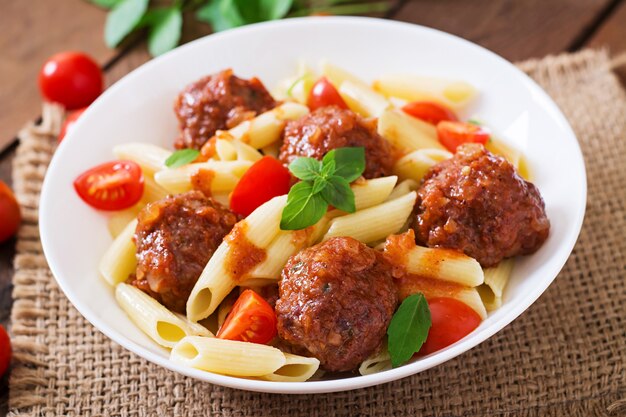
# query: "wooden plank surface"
515 29
612 35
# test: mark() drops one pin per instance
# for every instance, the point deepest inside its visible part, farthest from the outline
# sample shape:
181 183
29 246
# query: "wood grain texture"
612 35
31 32
515 29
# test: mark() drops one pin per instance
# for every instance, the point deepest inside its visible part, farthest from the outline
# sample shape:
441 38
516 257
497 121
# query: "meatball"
475 202
175 238
336 300
330 127
218 101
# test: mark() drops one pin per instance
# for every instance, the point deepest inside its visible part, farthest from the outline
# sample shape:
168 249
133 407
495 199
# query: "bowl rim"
343 384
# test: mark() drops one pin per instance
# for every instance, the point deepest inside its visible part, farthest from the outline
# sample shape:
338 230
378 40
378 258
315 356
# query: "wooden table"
32 31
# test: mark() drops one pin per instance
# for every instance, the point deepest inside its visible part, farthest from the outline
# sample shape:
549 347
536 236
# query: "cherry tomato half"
429 111
453 134
323 94
114 185
69 122
451 321
72 79
5 350
264 180
252 319
9 213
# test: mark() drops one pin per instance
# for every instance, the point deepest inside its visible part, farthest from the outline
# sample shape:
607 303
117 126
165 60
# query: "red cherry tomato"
69 122
325 94
252 319
5 351
72 79
10 216
451 321
453 134
429 112
264 180
114 185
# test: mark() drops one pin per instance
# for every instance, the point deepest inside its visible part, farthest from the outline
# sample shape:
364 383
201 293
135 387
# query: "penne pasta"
369 193
298 87
224 150
338 76
381 220
155 320
224 175
119 261
227 357
225 307
296 369
361 99
150 158
471 297
511 154
455 94
496 279
416 164
120 219
407 133
403 188
272 149
152 191
380 361
246 152
488 298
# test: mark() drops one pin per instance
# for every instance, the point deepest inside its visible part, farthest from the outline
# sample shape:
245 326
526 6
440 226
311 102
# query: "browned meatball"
175 238
475 202
336 302
330 127
218 101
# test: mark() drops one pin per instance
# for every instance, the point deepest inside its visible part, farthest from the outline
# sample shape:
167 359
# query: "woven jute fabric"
565 356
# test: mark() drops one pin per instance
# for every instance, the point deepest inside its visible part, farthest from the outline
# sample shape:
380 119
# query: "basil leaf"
349 162
107 4
338 193
303 208
165 30
408 329
275 9
181 157
221 15
328 168
122 20
306 169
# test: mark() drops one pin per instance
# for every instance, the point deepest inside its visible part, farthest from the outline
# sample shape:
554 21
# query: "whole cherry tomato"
5 351
453 134
323 94
265 179
114 185
69 122
72 79
10 216
252 319
451 320
429 111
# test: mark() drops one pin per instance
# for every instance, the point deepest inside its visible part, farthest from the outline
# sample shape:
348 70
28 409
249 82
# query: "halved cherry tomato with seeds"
451 320
114 185
252 319
325 94
429 112
265 179
453 134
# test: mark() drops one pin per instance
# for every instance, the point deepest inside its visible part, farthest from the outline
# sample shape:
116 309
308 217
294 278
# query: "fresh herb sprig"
181 157
322 184
164 24
408 329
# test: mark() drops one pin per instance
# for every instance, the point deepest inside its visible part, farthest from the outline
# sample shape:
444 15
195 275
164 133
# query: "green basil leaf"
408 329
349 162
328 168
303 208
338 193
306 169
165 30
107 4
181 157
318 185
275 9
221 15
122 20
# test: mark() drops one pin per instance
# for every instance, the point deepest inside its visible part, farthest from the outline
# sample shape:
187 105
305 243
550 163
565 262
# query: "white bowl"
139 108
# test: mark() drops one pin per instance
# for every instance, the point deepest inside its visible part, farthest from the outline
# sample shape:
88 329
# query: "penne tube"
488 298
222 198
296 369
217 280
246 152
496 279
227 357
224 175
338 76
272 149
511 154
224 150
381 220
361 99
120 219
403 188
416 164
380 361
369 193
454 94
152 191
119 261
471 297
163 326
150 158
225 307
407 133
297 87
445 264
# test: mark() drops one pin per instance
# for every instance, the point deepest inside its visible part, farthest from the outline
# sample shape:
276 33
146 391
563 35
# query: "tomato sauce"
244 255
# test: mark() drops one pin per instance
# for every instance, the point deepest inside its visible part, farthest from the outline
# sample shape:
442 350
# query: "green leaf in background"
181 157
122 20
221 15
408 329
165 30
107 4
304 208
274 9
306 169
338 194
350 162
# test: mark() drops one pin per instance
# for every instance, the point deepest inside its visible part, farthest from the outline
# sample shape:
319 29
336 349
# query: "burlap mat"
564 357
